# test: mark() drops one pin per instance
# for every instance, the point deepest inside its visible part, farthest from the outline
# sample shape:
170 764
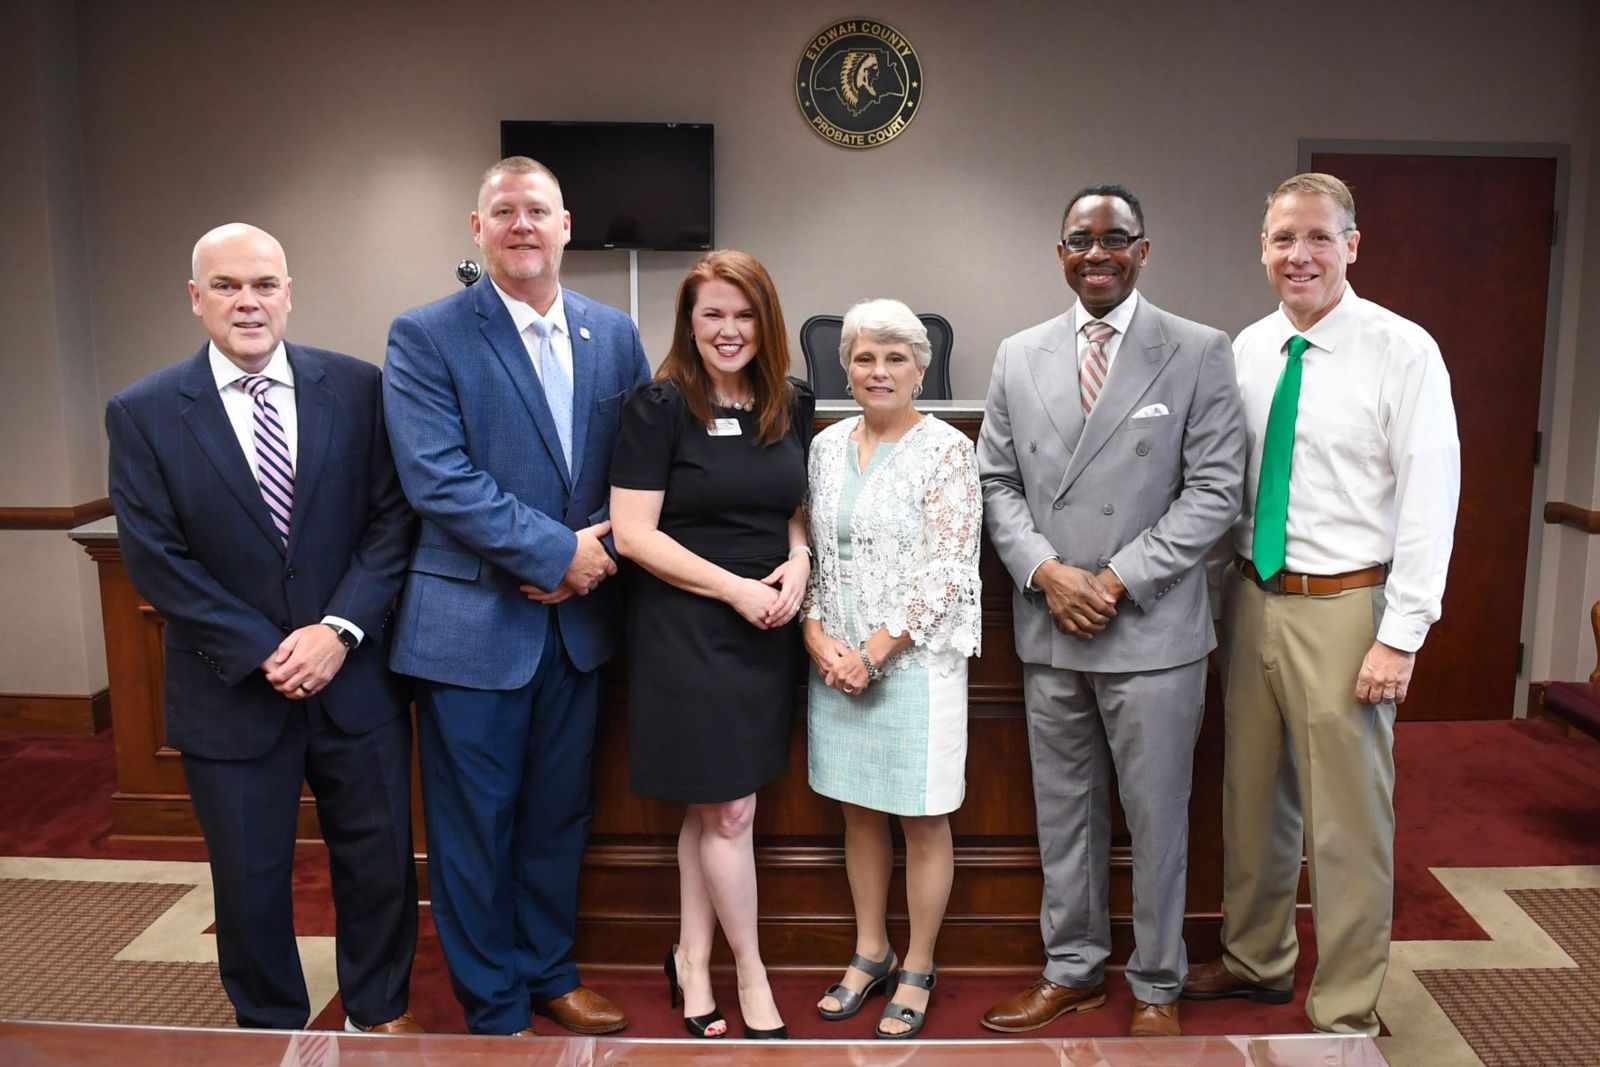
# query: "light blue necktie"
557 386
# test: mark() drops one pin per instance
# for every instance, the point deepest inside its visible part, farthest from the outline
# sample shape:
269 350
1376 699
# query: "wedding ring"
849 691
304 688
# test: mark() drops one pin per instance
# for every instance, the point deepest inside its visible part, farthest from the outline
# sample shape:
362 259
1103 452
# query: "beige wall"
355 132
50 639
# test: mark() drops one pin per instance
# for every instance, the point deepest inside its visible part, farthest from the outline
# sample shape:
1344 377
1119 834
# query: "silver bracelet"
873 671
802 548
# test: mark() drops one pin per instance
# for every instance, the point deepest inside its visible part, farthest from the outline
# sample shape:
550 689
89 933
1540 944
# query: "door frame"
1561 153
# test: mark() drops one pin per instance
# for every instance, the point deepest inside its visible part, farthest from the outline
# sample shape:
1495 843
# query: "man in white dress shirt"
1343 544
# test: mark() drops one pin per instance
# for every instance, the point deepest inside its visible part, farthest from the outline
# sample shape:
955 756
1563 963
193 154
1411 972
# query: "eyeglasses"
1316 240
1115 241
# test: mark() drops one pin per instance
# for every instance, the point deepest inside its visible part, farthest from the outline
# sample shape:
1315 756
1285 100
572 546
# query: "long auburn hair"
768 371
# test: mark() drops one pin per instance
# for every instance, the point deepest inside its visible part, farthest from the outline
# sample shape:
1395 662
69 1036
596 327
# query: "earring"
916 390
849 390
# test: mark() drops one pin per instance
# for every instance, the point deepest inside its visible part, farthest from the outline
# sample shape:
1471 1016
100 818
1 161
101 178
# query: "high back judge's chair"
819 341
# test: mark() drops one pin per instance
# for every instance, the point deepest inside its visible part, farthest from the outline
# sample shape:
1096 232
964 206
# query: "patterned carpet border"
121 941
1476 1011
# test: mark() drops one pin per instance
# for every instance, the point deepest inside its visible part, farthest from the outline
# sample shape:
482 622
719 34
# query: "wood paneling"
1426 221
49 713
54 518
1561 513
629 886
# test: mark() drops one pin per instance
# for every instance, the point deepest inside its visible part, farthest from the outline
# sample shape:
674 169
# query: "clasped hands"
839 664
1080 603
774 600
305 662
591 564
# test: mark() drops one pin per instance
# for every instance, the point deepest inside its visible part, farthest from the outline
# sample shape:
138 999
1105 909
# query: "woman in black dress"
707 481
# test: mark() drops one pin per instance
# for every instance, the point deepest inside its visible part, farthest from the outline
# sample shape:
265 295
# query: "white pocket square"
1151 412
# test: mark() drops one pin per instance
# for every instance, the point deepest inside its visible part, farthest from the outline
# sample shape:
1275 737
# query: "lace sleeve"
941 606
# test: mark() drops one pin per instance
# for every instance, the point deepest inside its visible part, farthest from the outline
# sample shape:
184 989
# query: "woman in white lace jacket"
890 617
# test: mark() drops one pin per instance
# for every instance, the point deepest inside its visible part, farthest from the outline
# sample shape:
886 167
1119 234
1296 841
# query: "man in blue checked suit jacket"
259 513
502 403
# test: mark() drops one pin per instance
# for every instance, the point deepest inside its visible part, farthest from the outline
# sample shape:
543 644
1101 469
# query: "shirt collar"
1328 330
225 372
522 314
1117 318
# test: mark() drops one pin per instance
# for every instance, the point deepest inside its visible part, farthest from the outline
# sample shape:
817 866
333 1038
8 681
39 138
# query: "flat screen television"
642 185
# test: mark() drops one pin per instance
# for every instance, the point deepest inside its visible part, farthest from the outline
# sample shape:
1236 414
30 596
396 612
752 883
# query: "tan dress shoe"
1041 1005
583 1011
400 1024
1154 1020
1213 981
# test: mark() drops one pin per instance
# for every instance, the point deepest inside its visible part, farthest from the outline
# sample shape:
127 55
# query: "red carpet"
1471 794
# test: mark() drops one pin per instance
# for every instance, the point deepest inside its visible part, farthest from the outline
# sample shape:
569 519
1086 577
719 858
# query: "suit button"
1059 504
1108 509
289 574
285 629
1104 562
1143 449
1032 446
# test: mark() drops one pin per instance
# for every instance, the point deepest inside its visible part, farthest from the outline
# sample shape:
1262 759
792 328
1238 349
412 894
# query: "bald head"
230 232
240 290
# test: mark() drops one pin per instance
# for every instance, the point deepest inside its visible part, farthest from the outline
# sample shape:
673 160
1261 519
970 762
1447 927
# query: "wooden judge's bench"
629 894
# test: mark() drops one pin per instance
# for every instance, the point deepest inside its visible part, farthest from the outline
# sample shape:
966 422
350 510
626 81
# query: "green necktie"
1272 491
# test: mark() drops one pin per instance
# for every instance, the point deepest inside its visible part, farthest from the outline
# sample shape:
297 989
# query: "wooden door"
1461 245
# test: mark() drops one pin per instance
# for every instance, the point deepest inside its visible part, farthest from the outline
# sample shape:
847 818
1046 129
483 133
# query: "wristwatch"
346 638
874 672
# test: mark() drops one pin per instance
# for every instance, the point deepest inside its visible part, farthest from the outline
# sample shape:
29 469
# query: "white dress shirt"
1376 469
523 316
1118 319
240 408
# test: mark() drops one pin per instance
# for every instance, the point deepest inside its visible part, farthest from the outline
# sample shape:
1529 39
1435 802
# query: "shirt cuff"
1126 591
1402 633
346 624
1029 586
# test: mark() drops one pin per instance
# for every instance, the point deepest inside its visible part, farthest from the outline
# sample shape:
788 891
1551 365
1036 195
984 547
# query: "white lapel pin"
583 332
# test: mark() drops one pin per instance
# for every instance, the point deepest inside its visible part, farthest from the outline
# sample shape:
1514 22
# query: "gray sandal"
849 1000
910 1016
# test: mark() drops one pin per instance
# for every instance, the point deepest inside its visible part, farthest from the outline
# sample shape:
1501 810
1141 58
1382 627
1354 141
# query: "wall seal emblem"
859 83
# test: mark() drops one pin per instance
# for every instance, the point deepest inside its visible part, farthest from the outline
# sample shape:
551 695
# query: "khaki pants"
1306 760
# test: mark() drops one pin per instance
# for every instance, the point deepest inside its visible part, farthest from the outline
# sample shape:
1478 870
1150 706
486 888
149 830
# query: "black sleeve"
803 411
647 438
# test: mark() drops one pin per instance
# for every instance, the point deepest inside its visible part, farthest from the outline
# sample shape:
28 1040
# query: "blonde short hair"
1314 184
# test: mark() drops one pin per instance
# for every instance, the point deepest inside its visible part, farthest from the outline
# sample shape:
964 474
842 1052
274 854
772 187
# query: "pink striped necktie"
274 471
1096 365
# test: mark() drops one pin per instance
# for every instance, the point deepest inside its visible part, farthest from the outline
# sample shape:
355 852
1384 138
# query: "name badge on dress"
724 428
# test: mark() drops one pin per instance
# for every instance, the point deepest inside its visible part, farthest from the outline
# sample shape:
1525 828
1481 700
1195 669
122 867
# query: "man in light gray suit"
1112 457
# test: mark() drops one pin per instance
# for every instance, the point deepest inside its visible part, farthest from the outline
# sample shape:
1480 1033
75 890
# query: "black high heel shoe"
777 1033
695 1024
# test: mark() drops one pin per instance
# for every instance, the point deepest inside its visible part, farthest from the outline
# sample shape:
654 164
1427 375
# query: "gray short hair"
888 321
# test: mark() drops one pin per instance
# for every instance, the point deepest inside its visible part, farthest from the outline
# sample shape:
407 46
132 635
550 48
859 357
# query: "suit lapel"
1053 365
584 370
202 413
1144 351
501 333
314 410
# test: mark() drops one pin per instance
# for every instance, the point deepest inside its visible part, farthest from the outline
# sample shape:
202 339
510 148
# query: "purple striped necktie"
274 471
1096 365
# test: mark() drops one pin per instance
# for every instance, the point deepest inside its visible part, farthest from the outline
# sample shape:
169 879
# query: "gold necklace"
736 405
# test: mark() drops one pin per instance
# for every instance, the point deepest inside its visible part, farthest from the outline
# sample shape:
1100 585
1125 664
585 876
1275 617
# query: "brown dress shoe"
1041 1005
1154 1020
1213 981
583 1011
400 1024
